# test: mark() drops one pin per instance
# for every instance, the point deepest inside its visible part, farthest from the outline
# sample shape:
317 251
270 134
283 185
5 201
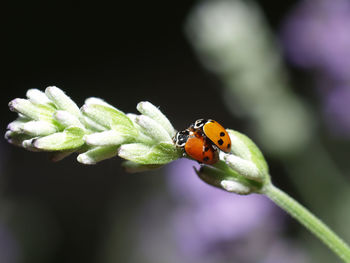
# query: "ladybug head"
198 123
181 138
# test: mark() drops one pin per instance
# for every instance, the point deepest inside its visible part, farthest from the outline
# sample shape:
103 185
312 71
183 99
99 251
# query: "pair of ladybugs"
202 140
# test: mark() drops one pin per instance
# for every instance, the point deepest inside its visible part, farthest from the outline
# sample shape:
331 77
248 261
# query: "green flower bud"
109 118
28 145
32 111
17 125
222 176
92 125
161 153
70 138
247 157
67 119
38 97
153 129
94 100
148 109
62 101
142 136
235 187
38 128
97 154
16 138
243 167
106 138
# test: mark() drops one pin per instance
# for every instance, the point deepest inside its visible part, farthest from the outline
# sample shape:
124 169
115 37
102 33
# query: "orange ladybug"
215 132
197 146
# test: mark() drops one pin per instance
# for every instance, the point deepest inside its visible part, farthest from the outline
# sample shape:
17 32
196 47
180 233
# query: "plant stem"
306 218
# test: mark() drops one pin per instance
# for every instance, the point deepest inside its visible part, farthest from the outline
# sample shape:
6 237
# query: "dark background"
123 52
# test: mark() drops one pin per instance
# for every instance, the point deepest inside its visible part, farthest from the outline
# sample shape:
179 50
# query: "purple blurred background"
316 36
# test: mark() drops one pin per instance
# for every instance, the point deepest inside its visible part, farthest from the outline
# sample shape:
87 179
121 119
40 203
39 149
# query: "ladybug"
197 146
215 132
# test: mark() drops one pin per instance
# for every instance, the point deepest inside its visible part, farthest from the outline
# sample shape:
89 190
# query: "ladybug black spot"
206 158
222 134
220 142
228 146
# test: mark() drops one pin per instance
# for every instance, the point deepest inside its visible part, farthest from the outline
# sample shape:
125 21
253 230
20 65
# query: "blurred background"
277 71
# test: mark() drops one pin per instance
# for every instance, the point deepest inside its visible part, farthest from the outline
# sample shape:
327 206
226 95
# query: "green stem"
307 219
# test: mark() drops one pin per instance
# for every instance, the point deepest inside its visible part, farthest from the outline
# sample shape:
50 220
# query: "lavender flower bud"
62 101
97 154
148 109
